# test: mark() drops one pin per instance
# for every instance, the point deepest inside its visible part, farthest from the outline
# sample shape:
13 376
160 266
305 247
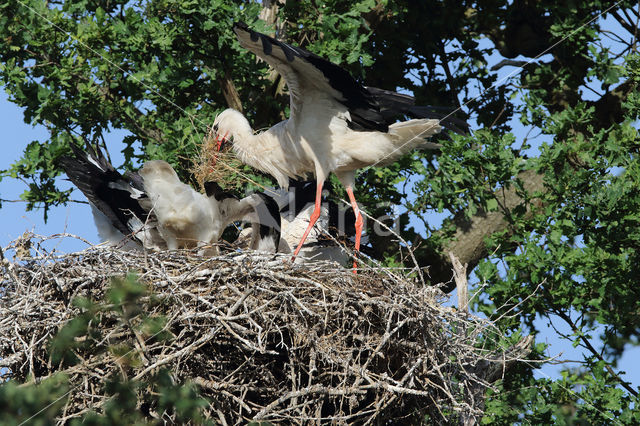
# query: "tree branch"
593 350
608 109
468 242
623 23
508 63
229 91
447 71
462 285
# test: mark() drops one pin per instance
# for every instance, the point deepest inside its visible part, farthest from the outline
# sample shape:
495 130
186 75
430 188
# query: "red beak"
220 141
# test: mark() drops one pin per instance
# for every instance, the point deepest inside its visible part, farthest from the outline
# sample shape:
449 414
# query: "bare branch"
587 344
462 285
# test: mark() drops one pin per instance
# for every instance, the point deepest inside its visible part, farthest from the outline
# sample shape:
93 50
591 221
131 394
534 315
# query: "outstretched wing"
305 72
117 197
369 108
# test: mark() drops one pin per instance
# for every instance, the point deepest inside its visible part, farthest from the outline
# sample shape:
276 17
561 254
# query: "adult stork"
335 125
153 208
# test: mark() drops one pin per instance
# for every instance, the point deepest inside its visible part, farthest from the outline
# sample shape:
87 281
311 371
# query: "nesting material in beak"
220 143
217 162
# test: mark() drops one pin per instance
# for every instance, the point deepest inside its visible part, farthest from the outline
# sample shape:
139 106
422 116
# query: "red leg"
312 220
356 211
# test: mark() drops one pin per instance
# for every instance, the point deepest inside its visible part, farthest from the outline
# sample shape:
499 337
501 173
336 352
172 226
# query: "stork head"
158 170
229 124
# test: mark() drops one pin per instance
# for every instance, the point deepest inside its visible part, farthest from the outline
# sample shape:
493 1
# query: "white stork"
292 210
153 208
336 124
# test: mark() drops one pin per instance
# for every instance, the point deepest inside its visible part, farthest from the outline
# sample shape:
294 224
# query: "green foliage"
128 401
35 404
570 254
153 71
578 398
84 331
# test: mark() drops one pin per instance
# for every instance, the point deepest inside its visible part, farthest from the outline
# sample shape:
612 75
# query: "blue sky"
14 220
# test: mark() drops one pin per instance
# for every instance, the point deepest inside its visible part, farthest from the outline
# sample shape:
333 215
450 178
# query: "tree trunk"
467 244
230 92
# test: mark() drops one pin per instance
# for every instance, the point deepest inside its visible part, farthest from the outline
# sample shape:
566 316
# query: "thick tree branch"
608 109
230 92
269 14
623 22
460 278
508 63
468 242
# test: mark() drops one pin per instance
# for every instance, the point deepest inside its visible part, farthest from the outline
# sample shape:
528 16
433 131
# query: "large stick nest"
263 339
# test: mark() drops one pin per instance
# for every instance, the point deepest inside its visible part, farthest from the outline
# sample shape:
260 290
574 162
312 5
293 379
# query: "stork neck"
262 151
246 144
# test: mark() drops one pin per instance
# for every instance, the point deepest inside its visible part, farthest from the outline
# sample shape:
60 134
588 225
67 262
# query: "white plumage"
315 248
336 125
295 207
155 210
260 209
186 218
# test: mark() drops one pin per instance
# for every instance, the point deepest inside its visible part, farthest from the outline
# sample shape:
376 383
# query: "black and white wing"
305 71
115 196
268 223
260 209
394 106
369 108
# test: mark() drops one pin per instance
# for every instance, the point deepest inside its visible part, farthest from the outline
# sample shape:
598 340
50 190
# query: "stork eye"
215 127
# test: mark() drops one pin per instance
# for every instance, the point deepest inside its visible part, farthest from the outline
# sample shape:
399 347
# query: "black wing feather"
100 184
362 105
394 106
212 189
304 194
370 108
269 218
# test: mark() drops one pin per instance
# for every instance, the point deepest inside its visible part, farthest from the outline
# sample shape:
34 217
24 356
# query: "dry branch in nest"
263 339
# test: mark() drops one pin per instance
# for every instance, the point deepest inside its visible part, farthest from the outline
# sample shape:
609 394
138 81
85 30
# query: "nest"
263 339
